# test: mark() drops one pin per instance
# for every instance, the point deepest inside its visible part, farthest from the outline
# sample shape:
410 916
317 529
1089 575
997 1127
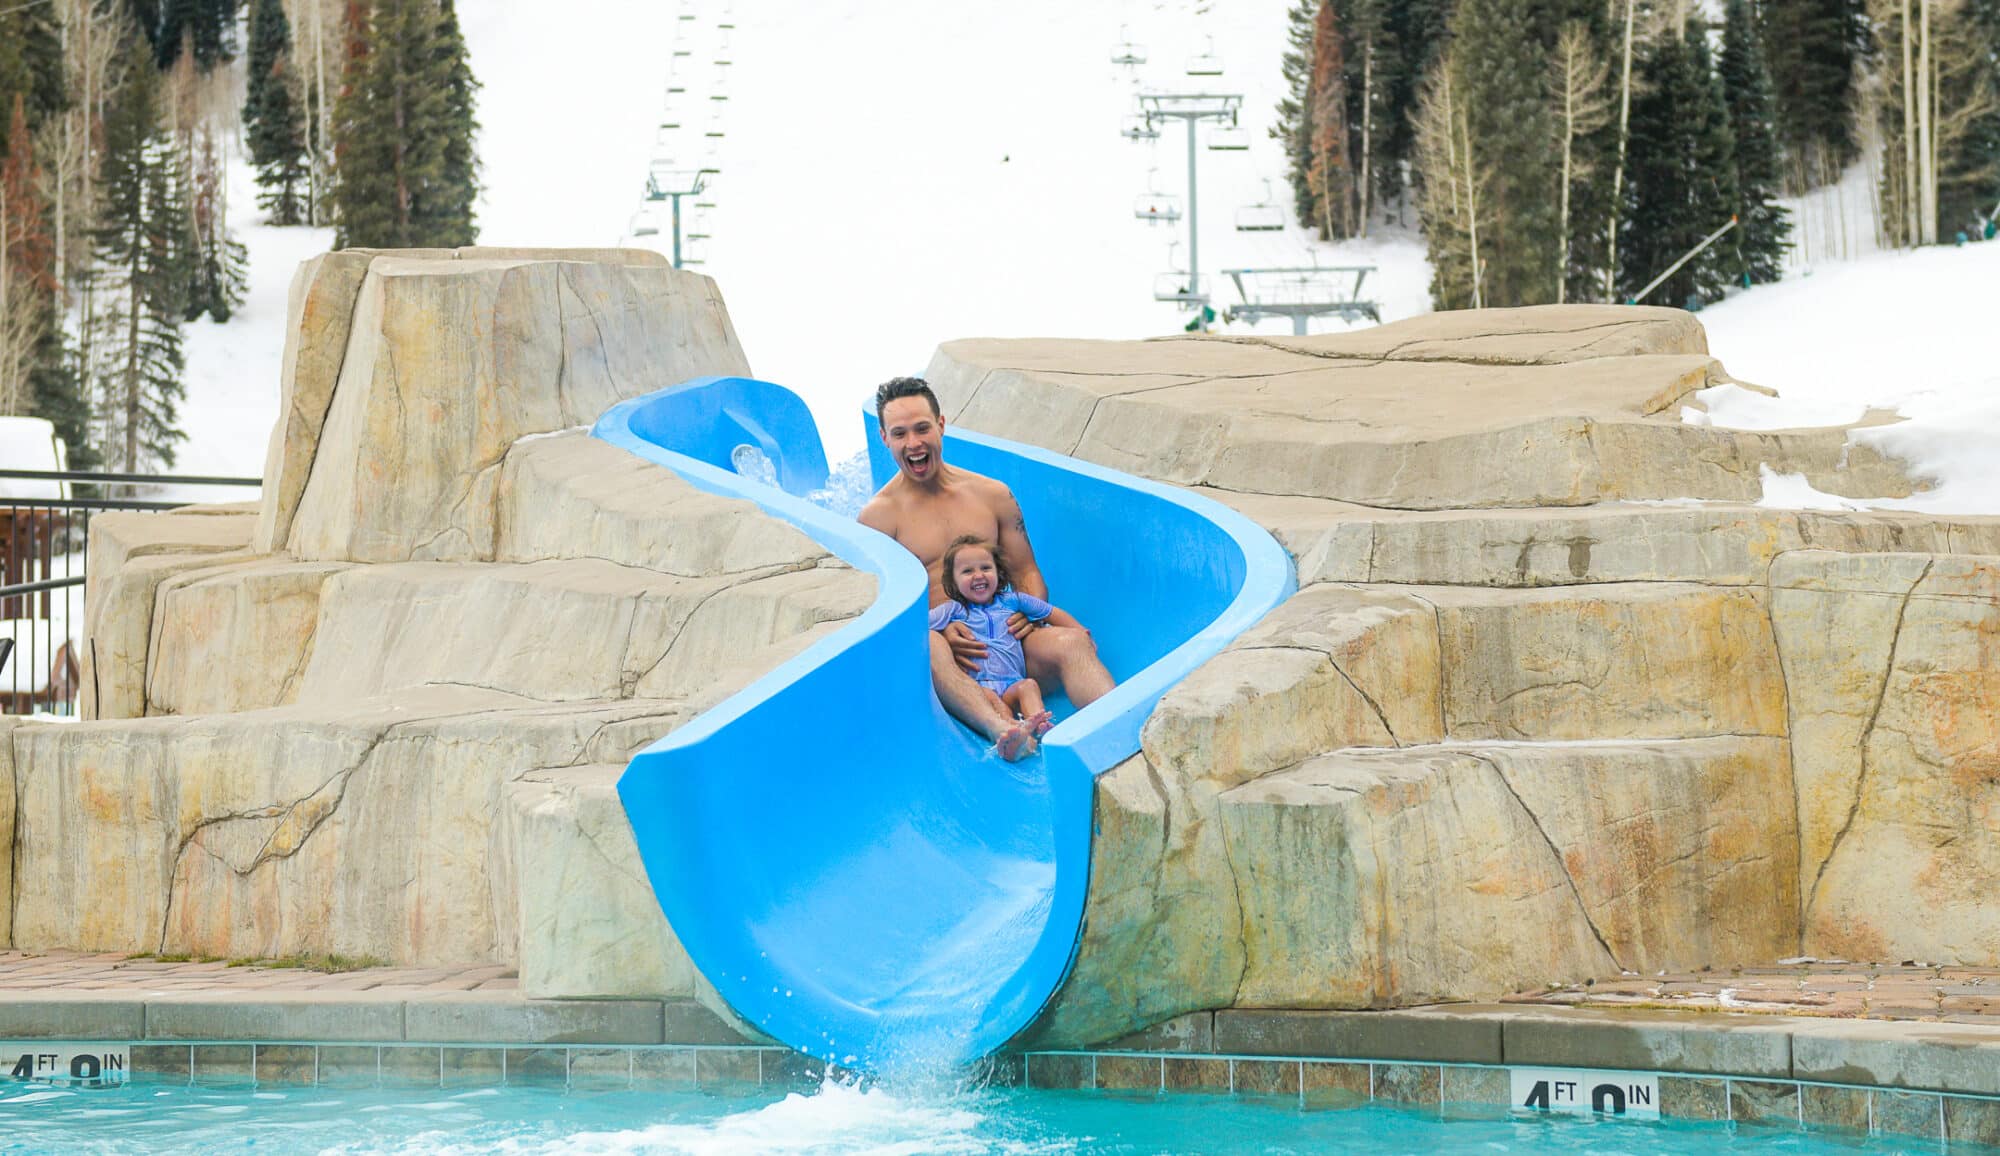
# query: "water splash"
838 1117
848 484
848 487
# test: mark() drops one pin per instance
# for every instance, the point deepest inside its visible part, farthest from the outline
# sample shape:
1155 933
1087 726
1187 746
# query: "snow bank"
1910 332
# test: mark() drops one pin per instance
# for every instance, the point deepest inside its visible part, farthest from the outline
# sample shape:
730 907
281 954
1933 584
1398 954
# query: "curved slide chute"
855 872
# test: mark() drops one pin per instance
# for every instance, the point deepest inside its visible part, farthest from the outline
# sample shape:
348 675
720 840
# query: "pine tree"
444 213
1499 68
1414 34
31 65
1969 187
1682 174
403 161
1811 50
1763 227
272 117
1293 128
204 28
141 242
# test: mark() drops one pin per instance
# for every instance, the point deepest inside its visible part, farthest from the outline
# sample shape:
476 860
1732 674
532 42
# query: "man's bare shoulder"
880 512
992 491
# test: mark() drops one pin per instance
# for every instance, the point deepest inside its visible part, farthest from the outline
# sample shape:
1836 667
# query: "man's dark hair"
897 387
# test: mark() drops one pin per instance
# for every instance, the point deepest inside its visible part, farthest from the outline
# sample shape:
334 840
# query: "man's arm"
1015 547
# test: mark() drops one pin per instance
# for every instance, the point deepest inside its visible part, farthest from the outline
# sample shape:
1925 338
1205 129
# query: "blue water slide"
855 872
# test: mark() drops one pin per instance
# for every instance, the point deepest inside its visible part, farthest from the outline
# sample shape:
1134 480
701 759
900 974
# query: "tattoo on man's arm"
1020 525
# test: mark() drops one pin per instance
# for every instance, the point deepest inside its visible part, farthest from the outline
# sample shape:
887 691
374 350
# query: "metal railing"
44 549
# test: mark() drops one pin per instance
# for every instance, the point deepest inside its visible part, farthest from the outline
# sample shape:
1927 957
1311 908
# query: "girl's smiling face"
975 575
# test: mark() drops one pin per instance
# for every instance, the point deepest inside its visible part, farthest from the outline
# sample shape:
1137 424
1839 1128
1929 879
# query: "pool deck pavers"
1909 990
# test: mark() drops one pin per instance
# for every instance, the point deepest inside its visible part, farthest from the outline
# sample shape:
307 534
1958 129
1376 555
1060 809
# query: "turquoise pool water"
158 1118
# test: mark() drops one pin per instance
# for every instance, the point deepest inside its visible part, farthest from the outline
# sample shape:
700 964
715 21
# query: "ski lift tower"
1300 293
1192 108
671 184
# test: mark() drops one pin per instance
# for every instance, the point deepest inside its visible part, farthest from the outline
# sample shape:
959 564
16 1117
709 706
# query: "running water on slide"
856 873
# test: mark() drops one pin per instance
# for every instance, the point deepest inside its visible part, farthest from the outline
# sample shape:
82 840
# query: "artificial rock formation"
1534 714
1553 700
374 714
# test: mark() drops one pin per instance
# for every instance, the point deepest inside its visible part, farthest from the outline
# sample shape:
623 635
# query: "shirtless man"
924 507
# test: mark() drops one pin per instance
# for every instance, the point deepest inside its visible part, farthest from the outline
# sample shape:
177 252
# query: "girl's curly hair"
951 590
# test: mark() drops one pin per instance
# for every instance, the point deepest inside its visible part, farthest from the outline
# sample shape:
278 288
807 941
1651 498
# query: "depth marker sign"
1582 1093
78 1065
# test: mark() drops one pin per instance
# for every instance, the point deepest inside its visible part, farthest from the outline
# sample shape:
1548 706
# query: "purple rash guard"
1004 664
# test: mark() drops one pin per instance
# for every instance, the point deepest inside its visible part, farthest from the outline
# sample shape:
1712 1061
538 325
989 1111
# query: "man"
927 505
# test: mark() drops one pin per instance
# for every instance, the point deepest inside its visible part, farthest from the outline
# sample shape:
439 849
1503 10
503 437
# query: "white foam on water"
838 1119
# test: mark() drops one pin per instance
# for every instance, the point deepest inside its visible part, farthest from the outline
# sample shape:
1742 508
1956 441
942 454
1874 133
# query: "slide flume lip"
853 872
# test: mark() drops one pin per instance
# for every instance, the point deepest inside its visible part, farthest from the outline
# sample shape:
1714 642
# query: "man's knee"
1053 648
1068 641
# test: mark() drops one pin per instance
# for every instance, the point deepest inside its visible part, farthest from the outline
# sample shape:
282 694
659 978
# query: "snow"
1908 332
232 368
30 443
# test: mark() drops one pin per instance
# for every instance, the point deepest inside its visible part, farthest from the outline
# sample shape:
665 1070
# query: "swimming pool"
154 1116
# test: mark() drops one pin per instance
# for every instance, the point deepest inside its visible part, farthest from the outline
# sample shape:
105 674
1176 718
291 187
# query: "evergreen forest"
116 227
1569 150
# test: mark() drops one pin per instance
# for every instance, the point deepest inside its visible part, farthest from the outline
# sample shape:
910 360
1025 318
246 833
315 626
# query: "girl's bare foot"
1015 743
1040 723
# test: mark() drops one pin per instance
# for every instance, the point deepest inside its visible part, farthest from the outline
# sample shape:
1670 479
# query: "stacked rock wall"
381 713
1552 702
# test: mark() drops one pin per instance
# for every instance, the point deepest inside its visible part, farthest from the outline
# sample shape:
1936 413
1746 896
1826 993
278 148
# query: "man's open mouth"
918 461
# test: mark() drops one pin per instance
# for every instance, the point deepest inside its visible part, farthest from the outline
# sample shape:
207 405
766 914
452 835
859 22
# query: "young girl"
983 597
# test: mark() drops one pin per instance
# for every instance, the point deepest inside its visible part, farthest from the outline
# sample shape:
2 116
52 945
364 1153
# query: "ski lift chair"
694 252
1174 285
1154 206
1263 216
1229 138
644 223
1157 208
1138 126
1127 51
1205 62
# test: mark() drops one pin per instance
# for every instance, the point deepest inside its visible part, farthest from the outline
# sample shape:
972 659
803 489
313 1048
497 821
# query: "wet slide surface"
853 870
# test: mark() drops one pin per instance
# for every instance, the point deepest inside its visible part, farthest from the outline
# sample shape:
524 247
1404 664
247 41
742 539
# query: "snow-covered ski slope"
899 172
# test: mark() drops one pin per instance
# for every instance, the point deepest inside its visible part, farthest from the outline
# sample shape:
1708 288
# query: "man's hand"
966 649
1019 625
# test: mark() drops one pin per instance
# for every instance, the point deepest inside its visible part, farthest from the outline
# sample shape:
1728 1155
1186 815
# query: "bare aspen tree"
1472 183
1926 167
1618 170
1449 189
1367 128
1910 227
1577 81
